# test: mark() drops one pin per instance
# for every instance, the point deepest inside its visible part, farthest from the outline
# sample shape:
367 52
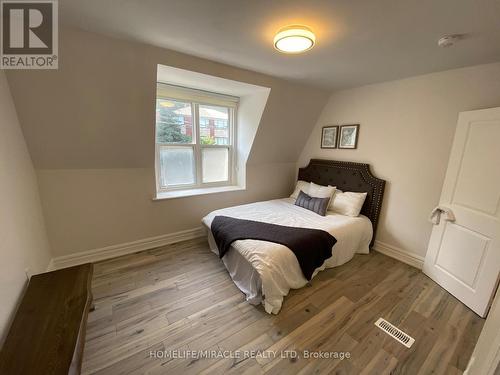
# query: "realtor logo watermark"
29 37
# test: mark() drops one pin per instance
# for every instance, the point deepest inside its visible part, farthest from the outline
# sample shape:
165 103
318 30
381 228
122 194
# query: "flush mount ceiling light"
294 39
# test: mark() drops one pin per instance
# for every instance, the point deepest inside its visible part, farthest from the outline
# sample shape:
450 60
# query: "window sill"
193 192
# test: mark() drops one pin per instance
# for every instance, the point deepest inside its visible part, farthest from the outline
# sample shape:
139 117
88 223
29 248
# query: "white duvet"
266 271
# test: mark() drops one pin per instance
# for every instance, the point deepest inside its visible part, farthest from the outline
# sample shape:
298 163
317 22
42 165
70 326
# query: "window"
204 122
194 138
220 123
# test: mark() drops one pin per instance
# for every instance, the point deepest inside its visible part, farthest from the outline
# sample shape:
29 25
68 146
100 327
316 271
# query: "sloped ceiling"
97 110
358 41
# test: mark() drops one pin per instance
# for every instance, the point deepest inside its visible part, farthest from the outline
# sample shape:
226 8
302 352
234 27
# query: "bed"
266 271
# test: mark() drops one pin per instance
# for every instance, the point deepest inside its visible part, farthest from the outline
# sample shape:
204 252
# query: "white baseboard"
114 251
51 266
404 256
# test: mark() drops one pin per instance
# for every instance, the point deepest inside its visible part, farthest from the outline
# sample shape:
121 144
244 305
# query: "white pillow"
301 185
347 203
320 191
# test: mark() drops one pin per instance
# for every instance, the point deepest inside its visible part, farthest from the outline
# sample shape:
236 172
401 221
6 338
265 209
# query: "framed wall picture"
329 135
348 137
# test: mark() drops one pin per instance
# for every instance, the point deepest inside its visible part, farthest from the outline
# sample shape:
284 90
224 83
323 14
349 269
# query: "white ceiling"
358 41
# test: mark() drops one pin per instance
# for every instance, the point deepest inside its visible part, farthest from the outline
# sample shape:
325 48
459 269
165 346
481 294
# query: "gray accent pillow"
318 205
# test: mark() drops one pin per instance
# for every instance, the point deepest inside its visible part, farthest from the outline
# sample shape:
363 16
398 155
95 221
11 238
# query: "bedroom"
86 147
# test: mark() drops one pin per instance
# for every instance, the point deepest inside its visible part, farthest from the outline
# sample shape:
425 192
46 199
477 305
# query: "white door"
464 255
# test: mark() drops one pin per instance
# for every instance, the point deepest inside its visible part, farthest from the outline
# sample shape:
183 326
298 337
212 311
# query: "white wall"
93 208
23 242
407 129
90 129
485 359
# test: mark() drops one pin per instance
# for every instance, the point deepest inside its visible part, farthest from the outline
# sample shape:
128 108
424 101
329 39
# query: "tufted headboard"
349 176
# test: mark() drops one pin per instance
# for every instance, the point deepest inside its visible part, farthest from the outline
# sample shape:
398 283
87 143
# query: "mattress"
266 271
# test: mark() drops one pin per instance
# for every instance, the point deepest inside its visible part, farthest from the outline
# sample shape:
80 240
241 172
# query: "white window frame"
197 98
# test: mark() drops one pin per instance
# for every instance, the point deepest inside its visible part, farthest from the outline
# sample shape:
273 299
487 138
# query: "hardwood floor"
180 297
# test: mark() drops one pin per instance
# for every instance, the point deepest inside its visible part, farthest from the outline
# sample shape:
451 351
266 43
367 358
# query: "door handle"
436 213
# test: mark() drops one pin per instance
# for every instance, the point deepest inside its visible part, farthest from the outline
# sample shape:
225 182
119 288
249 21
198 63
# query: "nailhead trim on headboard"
336 173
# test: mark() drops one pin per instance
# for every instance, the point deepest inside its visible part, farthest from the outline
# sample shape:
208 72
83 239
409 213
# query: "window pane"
176 166
214 125
174 121
215 164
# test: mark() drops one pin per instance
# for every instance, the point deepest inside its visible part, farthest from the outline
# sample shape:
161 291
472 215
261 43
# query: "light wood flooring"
180 297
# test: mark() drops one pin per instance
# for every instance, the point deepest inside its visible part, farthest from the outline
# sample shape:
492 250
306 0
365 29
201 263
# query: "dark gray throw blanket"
311 246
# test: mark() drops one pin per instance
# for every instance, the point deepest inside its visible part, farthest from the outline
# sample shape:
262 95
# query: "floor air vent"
395 332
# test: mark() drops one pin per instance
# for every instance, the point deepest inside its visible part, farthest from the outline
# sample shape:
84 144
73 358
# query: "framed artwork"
329 135
349 136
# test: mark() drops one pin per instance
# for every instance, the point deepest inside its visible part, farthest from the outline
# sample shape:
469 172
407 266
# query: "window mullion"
197 148
231 156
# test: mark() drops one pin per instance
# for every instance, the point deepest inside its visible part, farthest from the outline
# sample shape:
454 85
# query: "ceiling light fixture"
294 39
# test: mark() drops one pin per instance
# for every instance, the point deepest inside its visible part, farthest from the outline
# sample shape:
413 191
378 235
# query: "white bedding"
266 271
